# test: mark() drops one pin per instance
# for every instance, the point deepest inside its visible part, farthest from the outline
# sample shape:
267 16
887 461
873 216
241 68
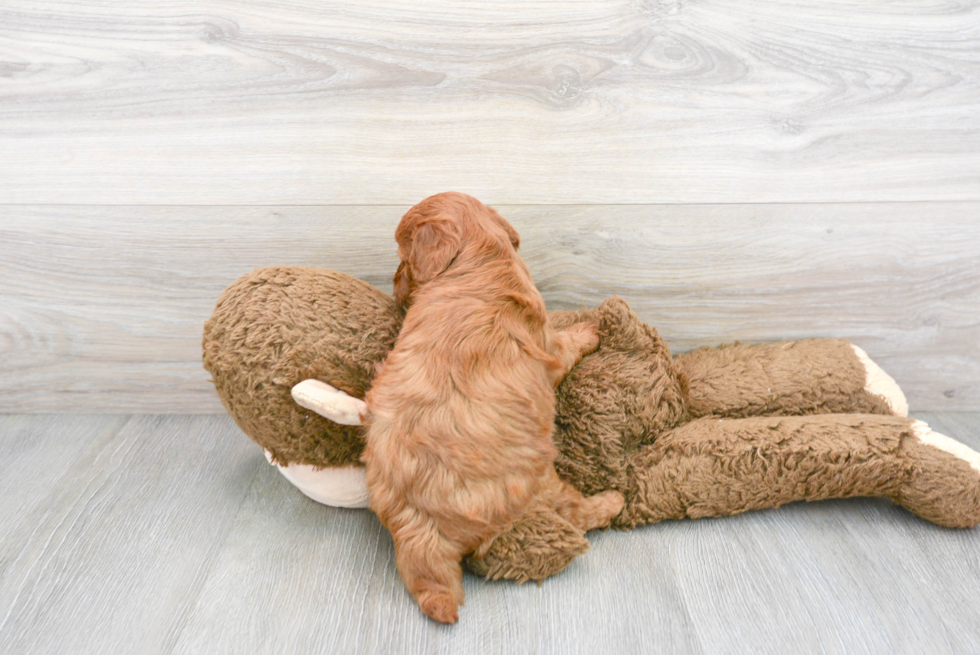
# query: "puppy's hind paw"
440 606
599 510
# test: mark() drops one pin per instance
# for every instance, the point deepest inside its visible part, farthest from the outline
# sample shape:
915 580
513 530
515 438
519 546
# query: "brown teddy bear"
707 433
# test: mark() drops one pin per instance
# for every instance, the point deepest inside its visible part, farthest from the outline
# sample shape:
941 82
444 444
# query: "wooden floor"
171 534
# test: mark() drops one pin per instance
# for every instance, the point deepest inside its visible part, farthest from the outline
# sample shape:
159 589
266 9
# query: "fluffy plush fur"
278 326
460 417
708 433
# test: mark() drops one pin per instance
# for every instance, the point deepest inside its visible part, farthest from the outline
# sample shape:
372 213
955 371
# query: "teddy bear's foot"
944 481
344 486
329 402
717 467
878 383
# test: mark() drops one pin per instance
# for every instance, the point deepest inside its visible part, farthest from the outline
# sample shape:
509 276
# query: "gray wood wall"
751 171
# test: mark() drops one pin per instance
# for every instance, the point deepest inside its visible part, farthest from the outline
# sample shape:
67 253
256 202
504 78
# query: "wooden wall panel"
101 308
594 101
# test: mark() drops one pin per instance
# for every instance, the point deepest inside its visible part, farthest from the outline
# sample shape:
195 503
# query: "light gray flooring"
171 534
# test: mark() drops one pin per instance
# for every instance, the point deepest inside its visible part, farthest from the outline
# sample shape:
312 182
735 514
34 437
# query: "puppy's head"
432 234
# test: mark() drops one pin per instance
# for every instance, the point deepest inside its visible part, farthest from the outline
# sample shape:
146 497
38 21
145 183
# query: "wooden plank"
37 452
110 556
339 102
103 306
172 535
815 578
855 576
297 577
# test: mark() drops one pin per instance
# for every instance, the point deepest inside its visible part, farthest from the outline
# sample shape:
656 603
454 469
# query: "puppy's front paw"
612 503
606 506
585 336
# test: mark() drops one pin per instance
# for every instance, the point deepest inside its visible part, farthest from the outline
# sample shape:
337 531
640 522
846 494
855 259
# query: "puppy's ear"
515 239
402 285
434 246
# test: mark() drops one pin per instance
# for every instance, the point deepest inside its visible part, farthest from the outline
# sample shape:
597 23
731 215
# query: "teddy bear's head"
275 327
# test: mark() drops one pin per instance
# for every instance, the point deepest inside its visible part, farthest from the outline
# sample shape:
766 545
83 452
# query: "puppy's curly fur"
460 416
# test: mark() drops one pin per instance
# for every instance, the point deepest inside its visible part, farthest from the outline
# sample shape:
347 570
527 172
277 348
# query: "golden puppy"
461 414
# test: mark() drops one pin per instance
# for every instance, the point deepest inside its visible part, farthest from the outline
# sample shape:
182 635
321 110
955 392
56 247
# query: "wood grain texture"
110 554
591 101
327 581
172 535
103 307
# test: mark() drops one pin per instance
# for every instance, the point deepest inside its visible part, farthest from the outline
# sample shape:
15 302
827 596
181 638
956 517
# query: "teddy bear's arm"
812 376
716 467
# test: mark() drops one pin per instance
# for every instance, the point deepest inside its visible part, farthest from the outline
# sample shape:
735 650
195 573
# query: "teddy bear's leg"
716 467
939 488
329 402
813 376
538 545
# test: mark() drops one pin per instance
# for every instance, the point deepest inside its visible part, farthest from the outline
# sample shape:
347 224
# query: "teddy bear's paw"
879 383
944 479
930 437
329 402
